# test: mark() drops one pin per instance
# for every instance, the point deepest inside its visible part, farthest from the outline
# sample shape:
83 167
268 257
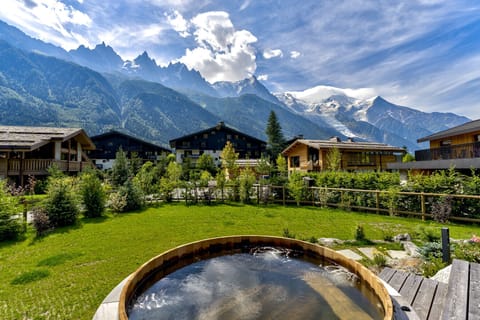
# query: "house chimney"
335 139
350 139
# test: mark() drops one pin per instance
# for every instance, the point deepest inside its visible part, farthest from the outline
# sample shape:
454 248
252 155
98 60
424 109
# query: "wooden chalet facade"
457 147
26 151
108 143
212 141
311 155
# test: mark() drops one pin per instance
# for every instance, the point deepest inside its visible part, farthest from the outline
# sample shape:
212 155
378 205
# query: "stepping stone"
397 254
350 254
368 252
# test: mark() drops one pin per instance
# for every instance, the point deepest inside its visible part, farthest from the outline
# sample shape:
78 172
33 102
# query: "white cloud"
294 54
223 53
179 24
48 20
272 53
262 77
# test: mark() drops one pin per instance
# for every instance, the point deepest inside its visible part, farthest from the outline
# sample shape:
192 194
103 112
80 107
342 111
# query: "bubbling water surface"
267 283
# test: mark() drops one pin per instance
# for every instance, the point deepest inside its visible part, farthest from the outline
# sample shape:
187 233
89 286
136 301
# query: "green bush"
10 228
40 221
431 250
61 205
93 195
430 267
133 195
359 233
379 259
467 251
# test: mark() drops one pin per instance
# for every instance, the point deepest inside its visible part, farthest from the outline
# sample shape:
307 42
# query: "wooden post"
422 200
377 200
283 191
258 193
445 245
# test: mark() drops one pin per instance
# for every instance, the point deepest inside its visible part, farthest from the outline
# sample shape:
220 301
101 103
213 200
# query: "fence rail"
465 208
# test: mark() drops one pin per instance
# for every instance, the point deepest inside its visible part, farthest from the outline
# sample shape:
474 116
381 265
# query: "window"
295 162
185 144
444 143
205 136
203 144
229 136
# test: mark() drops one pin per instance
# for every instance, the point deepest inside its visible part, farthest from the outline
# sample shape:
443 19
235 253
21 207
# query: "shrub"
40 221
246 180
432 266
61 205
117 202
93 195
379 259
10 228
431 250
467 251
359 233
429 234
132 194
441 210
296 186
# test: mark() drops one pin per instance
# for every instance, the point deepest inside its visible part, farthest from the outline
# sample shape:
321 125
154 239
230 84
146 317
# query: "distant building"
457 147
108 143
311 155
212 141
26 151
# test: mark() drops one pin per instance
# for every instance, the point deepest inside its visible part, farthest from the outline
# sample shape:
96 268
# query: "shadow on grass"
58 259
60 230
100 219
31 276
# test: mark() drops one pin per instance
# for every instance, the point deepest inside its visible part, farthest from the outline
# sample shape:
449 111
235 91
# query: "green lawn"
67 274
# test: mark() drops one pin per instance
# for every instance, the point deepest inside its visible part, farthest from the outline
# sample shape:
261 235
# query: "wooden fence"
465 208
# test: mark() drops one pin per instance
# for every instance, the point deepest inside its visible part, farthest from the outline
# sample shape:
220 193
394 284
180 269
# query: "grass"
67 274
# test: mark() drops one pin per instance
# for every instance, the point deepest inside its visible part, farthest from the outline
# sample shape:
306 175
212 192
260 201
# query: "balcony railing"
460 151
11 167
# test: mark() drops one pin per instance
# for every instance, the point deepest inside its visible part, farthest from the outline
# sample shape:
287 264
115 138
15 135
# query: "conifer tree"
276 140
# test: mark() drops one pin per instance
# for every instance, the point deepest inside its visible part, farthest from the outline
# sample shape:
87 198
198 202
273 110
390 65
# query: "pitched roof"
220 125
344 145
138 140
455 131
21 138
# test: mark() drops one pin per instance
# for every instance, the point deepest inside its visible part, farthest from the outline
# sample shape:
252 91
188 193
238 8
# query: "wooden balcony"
461 151
15 167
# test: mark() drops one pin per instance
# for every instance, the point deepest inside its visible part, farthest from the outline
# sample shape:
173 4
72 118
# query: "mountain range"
41 84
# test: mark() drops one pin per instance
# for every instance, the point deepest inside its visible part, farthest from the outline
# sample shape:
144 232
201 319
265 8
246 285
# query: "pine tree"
120 170
276 141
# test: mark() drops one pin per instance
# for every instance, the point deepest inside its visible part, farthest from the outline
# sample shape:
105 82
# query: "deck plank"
474 292
410 287
438 302
457 293
398 280
424 298
387 274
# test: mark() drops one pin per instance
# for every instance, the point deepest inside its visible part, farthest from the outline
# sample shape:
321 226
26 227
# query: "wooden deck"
433 300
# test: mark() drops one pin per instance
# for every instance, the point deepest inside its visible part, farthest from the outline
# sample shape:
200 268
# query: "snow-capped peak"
320 93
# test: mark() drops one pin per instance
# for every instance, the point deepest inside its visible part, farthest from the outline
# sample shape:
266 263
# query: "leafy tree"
334 159
229 158
145 177
276 140
246 181
408 157
296 186
132 194
170 181
221 182
120 170
93 194
61 205
9 228
135 163
206 162
264 167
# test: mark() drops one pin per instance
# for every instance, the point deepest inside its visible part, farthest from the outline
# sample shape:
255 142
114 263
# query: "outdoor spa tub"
253 277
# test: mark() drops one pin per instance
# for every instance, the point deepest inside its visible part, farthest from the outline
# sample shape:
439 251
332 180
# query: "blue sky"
419 53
